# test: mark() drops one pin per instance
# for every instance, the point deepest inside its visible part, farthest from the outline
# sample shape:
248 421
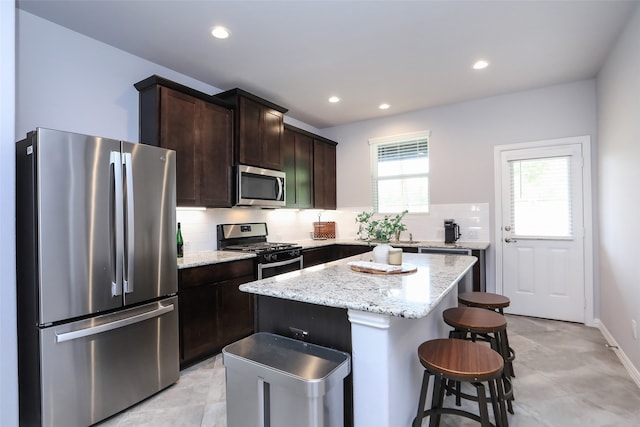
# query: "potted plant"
380 230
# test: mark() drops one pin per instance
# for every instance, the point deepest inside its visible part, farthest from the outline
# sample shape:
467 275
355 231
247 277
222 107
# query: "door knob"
508 240
507 228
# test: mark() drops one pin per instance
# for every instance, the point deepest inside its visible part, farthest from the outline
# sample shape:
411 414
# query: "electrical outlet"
298 334
634 328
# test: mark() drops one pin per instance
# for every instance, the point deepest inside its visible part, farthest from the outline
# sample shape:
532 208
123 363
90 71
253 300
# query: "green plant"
381 230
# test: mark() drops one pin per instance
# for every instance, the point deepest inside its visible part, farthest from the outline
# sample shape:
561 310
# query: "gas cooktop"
249 237
261 247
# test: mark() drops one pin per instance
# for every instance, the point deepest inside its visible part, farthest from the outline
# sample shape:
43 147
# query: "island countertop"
408 295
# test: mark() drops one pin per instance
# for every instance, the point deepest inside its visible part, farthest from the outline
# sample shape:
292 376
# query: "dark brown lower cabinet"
213 311
319 255
345 251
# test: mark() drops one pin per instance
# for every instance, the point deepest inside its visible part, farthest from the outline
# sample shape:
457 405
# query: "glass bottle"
180 243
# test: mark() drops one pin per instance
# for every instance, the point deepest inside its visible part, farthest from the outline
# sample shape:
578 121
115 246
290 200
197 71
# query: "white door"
542 231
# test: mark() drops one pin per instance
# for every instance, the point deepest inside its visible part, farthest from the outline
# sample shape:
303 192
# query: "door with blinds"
542 232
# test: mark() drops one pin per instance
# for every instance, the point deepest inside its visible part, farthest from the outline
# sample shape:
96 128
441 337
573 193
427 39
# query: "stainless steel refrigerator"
96 276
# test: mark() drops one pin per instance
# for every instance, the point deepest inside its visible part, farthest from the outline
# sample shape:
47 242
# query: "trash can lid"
304 360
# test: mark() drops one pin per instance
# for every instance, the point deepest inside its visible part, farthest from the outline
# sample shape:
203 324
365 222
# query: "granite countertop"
409 295
211 257
199 259
312 243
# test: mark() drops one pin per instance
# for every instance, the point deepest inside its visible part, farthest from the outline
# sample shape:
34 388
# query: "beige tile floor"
565 377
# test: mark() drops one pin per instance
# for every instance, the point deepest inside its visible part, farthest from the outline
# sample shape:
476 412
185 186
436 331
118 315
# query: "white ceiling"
410 54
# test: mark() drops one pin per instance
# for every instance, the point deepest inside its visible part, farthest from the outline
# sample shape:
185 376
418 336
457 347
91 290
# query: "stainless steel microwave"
260 187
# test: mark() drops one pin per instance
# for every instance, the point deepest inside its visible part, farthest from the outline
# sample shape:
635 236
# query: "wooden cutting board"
406 268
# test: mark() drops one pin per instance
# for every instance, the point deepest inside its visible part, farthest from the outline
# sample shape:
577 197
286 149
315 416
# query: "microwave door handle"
117 226
127 281
280 188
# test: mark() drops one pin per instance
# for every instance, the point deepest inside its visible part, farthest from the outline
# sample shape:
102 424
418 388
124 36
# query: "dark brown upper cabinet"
324 174
259 127
199 128
297 153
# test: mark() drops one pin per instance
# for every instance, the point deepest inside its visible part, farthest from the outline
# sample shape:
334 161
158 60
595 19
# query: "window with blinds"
541 197
400 173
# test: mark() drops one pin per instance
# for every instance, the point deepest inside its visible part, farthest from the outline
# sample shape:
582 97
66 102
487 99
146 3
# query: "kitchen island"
388 315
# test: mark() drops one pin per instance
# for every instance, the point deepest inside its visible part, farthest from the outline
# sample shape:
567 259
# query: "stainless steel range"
273 258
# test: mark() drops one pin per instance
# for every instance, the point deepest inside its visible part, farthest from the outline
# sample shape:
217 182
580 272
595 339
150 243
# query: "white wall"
462 139
619 154
71 82
8 338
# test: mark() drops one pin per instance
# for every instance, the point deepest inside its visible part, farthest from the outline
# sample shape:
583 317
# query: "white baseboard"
633 371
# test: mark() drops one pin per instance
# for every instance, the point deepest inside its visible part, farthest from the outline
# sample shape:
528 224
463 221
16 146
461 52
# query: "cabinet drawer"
199 276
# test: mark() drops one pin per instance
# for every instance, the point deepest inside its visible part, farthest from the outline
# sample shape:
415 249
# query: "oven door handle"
262 267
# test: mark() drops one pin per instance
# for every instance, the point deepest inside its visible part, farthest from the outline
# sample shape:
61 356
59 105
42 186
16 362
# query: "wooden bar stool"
486 300
459 360
493 302
473 323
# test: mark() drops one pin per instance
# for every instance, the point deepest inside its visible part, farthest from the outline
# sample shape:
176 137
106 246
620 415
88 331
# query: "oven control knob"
268 257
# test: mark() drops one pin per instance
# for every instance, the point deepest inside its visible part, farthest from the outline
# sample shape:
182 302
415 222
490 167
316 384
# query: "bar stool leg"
494 403
417 421
502 404
482 405
439 387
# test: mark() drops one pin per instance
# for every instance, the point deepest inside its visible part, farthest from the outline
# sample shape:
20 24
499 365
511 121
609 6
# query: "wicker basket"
324 230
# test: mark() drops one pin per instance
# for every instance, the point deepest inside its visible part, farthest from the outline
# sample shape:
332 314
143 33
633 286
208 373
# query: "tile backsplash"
199 226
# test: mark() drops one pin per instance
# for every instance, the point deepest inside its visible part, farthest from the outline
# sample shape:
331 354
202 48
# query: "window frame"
374 143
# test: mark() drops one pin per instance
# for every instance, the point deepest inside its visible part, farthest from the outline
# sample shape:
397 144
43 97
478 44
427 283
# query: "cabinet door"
216 178
319 255
178 119
298 165
198 322
260 135
324 175
272 126
235 311
249 138
345 251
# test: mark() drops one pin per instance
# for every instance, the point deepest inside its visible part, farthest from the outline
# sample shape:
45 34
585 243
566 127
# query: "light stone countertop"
198 259
409 295
312 243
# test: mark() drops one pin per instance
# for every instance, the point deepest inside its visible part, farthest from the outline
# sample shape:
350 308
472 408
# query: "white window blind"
400 173
541 197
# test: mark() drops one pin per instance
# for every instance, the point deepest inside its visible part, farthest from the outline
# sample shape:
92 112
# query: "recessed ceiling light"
384 106
480 65
220 32
334 99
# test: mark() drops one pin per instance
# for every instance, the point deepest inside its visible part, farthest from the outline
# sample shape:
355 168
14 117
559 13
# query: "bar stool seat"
473 324
486 300
495 302
461 360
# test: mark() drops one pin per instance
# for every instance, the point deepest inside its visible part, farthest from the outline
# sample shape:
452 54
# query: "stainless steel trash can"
274 381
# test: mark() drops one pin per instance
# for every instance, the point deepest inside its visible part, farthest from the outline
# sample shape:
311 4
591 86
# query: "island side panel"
386 371
325 326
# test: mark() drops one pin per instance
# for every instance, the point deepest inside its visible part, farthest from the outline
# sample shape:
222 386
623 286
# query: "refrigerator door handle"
81 333
128 281
118 228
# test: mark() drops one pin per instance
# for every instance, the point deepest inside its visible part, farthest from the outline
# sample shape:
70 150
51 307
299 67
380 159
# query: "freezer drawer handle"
68 336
